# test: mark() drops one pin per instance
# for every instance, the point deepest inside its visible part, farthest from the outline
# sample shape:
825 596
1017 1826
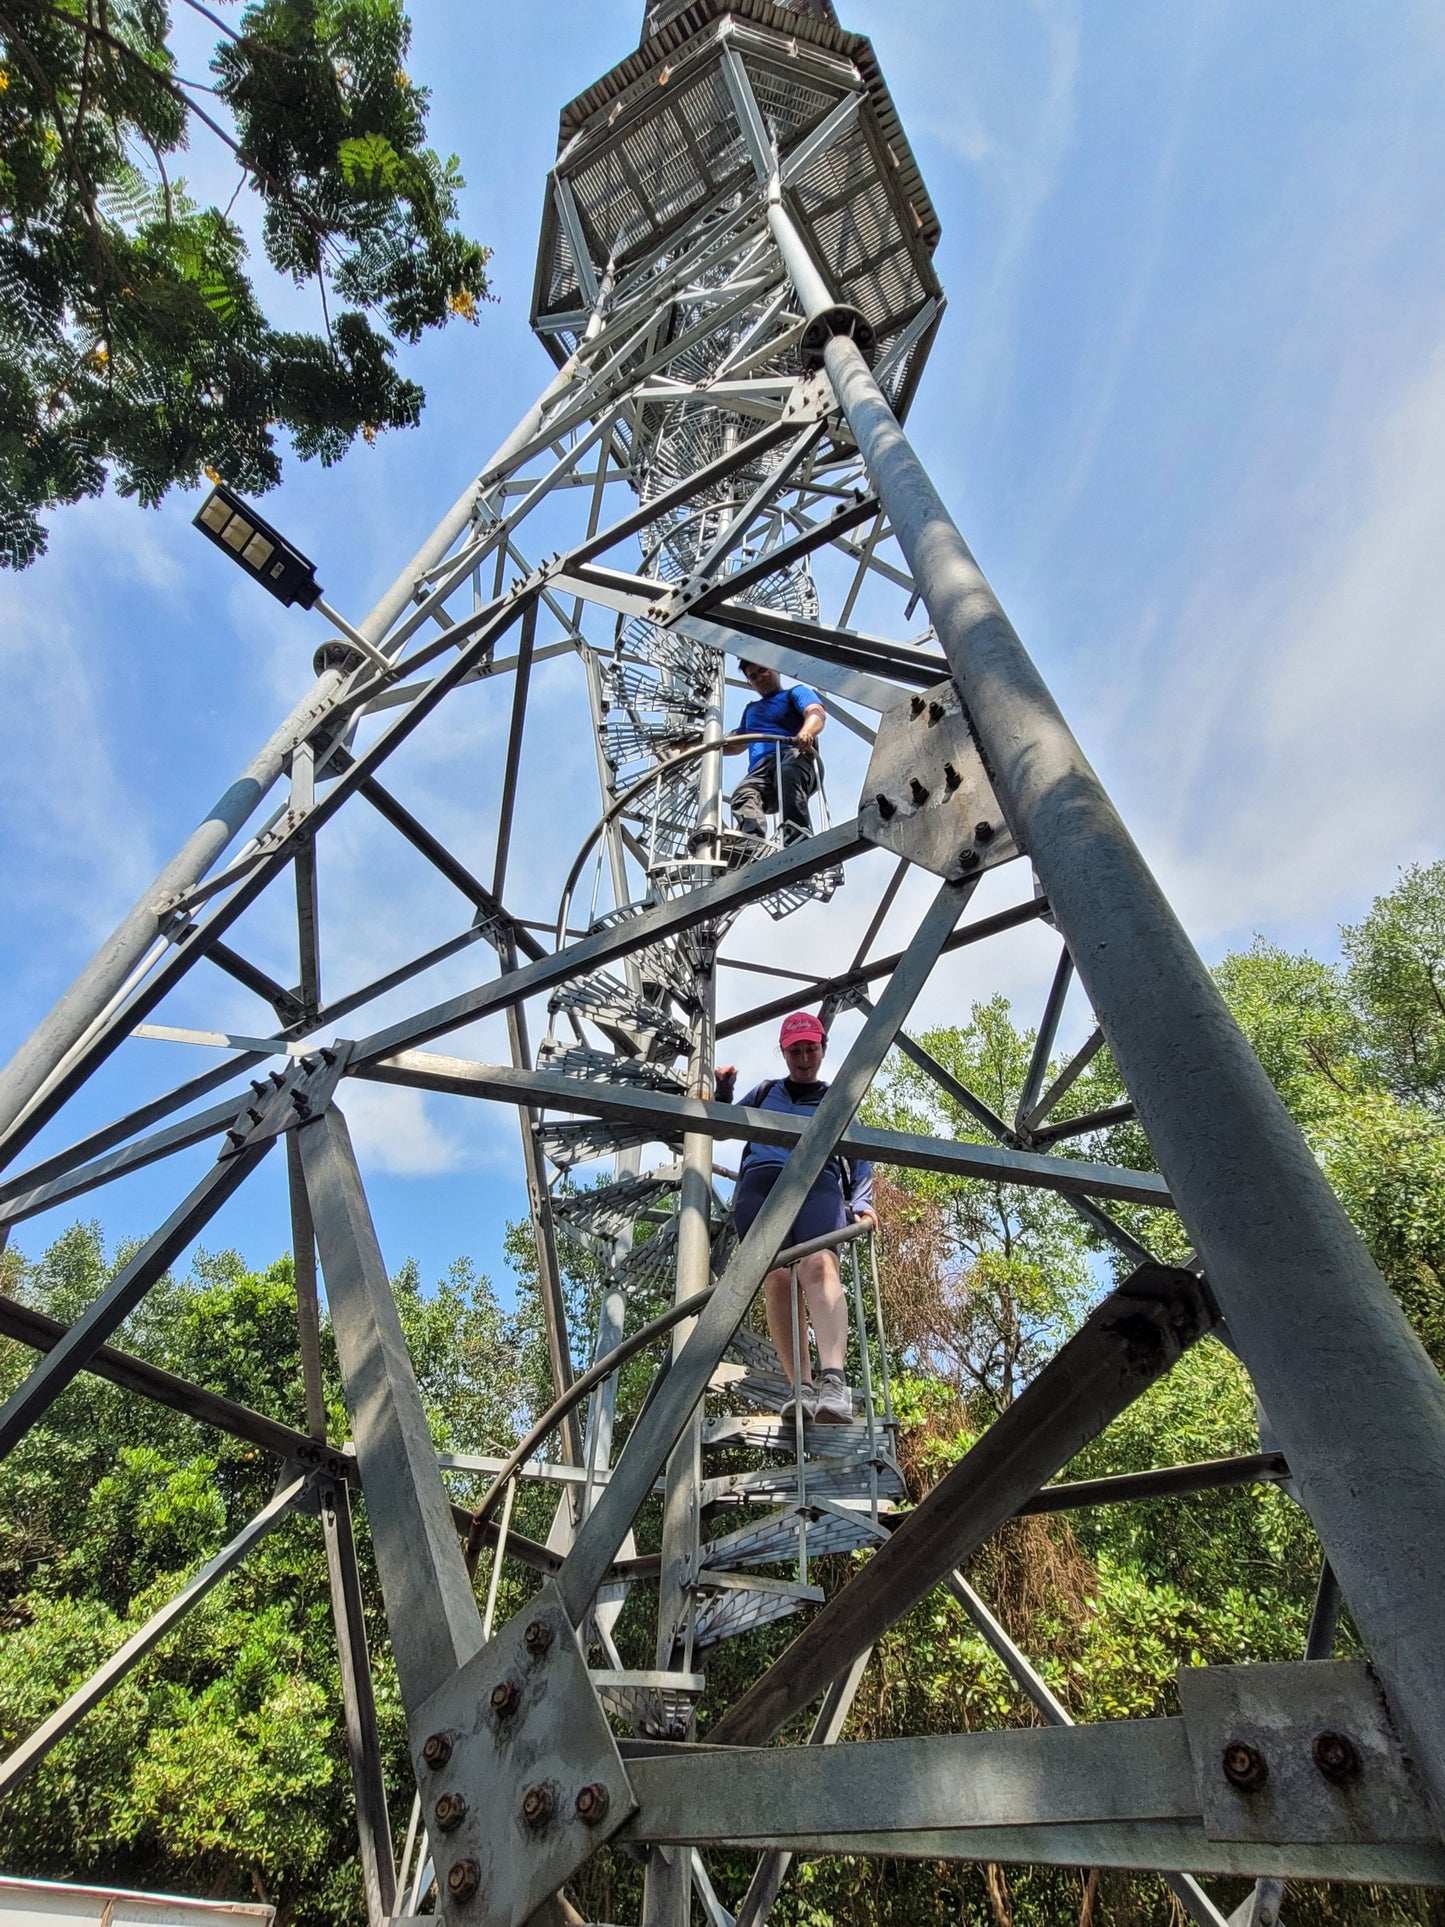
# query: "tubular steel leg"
363 1741
1297 1286
50 1044
667 1893
435 1627
544 1233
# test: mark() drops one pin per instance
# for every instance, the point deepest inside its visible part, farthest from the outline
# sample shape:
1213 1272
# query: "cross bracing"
735 281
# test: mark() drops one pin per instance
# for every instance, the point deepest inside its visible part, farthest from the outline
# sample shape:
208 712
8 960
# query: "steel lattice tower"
735 283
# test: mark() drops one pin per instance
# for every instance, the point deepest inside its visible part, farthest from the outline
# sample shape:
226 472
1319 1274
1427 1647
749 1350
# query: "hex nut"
935 712
592 1804
918 791
539 1805
538 1638
969 859
464 1880
1244 1766
437 1750
917 706
505 1699
1335 1756
451 1810
983 832
885 806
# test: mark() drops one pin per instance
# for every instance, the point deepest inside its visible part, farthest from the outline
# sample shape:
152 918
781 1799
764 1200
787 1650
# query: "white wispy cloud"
1299 728
395 1133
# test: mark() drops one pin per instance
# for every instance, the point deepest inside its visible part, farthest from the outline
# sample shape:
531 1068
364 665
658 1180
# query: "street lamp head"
281 570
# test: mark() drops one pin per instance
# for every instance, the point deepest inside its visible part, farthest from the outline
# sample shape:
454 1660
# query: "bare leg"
827 1308
777 1296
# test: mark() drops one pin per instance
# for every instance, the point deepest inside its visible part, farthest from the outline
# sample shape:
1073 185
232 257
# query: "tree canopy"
132 340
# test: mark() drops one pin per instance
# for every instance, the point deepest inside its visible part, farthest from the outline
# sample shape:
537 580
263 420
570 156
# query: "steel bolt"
935 712
885 806
451 1810
951 778
969 859
1335 1756
919 791
1244 1766
538 1638
539 1804
504 1699
301 1101
464 1880
917 706
437 1751
592 1804
984 832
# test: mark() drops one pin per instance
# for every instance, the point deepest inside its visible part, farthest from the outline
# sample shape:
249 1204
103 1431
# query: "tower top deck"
657 146
661 12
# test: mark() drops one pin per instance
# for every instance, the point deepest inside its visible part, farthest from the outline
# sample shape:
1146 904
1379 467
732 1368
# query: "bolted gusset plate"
927 795
519 1763
1300 1752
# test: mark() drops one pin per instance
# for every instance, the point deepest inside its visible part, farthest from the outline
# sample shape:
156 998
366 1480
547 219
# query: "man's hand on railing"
724 1082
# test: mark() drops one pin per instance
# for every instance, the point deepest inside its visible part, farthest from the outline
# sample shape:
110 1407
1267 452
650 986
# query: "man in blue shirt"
796 717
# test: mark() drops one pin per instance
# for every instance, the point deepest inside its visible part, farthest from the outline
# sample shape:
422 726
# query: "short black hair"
745 665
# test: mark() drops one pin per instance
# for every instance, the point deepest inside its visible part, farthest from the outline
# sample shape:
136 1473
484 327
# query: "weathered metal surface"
522 1742
1330 1766
927 795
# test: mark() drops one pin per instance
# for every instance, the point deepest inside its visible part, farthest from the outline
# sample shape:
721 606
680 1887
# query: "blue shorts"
823 1209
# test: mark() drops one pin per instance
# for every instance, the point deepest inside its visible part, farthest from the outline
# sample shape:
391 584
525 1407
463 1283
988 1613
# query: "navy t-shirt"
780 714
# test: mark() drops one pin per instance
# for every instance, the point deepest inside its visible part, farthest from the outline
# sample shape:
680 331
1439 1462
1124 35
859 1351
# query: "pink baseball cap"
800 1028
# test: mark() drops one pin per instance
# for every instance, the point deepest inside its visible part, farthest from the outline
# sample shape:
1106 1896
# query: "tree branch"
177 90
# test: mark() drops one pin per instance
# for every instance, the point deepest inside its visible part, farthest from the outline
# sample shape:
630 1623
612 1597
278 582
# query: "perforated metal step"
567 1145
656 1705
731 1604
774 1541
611 1209
637 1027
602 1067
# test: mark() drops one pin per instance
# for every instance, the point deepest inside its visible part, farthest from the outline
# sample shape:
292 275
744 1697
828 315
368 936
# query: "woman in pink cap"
843 1189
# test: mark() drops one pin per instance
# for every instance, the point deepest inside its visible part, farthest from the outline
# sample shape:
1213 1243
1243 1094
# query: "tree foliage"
131 338
218 1766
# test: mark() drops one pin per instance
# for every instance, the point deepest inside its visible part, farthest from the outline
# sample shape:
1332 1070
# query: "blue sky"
1188 405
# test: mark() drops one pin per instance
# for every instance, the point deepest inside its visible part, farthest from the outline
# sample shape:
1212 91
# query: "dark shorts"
821 1211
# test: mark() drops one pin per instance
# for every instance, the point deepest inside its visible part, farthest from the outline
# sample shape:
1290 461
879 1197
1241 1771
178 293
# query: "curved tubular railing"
615 1360
634 790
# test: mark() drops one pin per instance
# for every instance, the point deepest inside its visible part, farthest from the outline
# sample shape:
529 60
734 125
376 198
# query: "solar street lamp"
265 554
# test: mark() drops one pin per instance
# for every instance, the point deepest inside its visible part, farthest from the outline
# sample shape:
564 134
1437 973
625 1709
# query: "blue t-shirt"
780 714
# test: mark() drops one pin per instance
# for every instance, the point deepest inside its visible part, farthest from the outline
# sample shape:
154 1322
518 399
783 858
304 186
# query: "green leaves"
1397 977
219 1764
370 163
132 341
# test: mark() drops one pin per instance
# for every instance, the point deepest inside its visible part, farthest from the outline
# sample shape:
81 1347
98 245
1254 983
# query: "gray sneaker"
805 1396
834 1403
